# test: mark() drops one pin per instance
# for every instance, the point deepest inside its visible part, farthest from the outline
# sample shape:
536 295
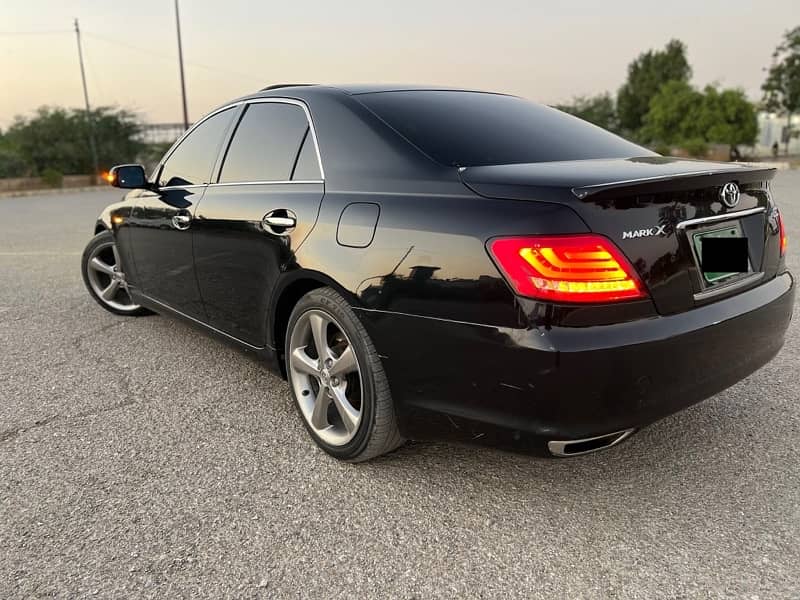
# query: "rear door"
262 205
161 221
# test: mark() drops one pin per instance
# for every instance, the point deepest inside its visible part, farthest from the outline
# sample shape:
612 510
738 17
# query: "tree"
58 139
728 117
646 75
117 132
599 110
47 140
12 163
782 86
681 115
673 114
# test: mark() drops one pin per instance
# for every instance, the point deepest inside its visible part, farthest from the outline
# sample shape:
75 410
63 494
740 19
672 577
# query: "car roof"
362 88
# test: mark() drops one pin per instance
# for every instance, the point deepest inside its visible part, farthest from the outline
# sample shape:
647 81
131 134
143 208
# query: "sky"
549 52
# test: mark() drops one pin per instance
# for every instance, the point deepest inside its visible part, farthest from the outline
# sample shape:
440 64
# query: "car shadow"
702 444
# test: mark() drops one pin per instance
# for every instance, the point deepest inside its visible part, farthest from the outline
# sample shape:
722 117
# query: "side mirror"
129 177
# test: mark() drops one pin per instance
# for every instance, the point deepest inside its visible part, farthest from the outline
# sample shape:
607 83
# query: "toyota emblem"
729 194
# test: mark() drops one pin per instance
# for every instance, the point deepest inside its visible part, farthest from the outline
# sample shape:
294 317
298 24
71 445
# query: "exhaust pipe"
587 445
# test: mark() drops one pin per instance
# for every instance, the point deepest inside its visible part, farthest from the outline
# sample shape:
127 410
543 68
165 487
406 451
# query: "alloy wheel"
326 377
107 279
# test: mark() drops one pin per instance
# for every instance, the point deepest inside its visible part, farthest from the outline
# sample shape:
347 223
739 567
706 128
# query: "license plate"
726 252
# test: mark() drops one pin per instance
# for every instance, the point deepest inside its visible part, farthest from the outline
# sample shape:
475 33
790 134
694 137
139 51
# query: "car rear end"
641 326
623 319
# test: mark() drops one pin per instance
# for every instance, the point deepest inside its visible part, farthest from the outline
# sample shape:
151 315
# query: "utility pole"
180 64
88 108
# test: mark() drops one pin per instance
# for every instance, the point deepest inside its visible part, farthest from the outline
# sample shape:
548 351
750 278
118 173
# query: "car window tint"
193 160
307 167
471 128
265 144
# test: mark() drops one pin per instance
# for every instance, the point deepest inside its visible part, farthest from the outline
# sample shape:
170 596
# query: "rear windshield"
472 128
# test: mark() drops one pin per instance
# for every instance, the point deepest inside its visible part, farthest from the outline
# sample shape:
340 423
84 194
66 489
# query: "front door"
249 223
162 219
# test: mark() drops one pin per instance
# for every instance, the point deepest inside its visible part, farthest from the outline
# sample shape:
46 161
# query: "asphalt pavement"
139 457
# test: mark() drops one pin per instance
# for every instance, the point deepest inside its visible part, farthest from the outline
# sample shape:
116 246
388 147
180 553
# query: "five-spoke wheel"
326 377
104 277
337 379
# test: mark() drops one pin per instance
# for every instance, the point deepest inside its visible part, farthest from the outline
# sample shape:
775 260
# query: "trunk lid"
652 208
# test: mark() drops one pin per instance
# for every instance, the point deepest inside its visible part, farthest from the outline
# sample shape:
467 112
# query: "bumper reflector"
784 241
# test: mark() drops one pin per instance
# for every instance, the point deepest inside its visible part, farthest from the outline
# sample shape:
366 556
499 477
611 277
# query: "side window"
265 144
193 160
307 167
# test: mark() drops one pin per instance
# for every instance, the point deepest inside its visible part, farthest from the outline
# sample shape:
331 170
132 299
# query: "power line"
168 57
50 32
112 41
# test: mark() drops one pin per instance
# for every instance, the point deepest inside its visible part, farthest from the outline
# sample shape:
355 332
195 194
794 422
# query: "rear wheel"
104 277
337 379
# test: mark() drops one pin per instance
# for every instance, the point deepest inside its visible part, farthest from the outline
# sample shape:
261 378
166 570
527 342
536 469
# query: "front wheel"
338 382
104 277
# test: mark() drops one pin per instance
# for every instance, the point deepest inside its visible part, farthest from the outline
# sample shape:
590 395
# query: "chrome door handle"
182 221
279 222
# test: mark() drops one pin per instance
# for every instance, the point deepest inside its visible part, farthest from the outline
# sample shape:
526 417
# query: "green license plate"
728 231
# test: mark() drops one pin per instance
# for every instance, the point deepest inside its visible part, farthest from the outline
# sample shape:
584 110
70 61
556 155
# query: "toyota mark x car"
426 262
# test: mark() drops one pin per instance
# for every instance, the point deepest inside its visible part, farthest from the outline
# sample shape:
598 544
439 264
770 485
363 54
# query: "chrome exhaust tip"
587 445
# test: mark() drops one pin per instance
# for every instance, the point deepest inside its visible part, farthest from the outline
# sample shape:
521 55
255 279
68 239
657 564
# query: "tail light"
567 268
784 241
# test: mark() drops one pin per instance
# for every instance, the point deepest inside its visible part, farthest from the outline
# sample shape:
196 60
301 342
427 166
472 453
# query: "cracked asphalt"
140 458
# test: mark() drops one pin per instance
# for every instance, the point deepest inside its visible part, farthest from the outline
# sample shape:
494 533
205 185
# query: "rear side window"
265 144
192 161
307 167
472 128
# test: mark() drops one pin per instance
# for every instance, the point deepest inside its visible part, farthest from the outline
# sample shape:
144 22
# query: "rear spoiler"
679 181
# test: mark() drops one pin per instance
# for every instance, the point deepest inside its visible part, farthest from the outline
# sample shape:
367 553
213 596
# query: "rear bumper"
452 379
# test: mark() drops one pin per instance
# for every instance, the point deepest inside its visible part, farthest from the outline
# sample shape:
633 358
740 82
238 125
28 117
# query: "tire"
328 393
100 267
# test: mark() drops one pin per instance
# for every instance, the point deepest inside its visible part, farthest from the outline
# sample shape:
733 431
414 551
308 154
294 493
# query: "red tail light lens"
784 241
567 268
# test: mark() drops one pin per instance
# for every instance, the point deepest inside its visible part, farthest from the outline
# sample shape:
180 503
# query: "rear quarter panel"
428 255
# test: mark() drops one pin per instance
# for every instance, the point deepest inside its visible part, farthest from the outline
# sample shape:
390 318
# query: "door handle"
182 221
279 222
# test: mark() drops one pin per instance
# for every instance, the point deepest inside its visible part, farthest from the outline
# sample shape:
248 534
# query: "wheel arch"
291 288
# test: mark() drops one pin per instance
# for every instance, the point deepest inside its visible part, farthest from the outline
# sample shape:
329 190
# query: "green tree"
646 75
681 115
599 110
116 132
58 139
673 115
782 86
12 163
728 117
48 139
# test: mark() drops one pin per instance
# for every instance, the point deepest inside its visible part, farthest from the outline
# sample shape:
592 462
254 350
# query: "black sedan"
427 262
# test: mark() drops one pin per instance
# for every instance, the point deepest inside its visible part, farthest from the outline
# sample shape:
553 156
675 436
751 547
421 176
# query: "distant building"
160 133
771 128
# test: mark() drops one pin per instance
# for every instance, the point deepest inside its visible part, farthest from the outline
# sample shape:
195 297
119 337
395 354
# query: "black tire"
105 242
377 432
